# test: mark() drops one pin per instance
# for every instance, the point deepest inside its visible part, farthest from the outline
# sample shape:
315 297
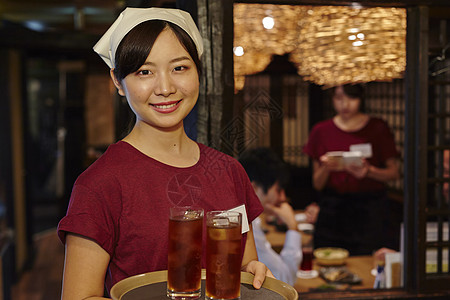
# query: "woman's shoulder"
217 165
377 120
324 124
116 153
212 156
378 123
113 161
212 153
323 127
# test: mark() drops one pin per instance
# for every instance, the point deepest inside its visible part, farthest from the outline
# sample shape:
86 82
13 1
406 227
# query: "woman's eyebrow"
181 58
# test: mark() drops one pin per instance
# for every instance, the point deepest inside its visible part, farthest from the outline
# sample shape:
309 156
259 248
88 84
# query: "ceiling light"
316 39
268 22
238 51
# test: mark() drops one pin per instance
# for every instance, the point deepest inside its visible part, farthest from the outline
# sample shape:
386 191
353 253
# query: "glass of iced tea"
306 266
185 253
223 255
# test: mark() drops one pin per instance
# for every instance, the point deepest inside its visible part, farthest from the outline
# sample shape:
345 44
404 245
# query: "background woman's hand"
330 163
311 212
260 271
359 171
379 256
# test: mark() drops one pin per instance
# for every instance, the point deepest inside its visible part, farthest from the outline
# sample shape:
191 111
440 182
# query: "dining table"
362 265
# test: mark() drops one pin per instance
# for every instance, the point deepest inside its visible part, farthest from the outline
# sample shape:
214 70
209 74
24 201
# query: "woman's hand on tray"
260 271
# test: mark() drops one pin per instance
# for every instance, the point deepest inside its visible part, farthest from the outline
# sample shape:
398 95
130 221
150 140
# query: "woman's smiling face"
165 88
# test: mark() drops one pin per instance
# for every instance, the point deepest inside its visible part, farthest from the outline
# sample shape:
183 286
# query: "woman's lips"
166 107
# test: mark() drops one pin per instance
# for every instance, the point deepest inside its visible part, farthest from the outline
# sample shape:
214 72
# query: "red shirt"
122 202
326 136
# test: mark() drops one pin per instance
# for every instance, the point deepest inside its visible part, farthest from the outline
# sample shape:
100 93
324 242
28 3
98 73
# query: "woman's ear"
117 83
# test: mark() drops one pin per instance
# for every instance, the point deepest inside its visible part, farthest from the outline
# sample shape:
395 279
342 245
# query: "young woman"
352 200
117 221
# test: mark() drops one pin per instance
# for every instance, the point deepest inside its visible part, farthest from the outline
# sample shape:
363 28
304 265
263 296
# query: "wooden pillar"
215 104
18 166
415 156
276 124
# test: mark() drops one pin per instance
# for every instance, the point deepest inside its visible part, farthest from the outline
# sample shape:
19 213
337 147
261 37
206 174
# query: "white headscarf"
106 47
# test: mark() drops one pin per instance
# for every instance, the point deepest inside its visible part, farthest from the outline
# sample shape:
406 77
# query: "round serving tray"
153 285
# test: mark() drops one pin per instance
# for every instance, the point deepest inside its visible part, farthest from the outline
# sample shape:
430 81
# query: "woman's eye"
144 72
180 68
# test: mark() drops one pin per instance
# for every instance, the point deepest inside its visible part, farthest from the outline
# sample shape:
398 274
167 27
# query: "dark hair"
352 90
135 47
264 167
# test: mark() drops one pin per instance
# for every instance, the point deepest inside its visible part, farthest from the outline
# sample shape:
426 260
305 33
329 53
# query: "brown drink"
223 256
185 253
307 260
306 267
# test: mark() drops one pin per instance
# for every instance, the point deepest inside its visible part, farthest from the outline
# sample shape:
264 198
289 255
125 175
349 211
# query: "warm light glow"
238 51
356 5
268 22
317 41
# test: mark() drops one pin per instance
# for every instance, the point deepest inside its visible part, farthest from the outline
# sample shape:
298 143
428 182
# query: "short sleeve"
387 147
89 214
311 147
252 202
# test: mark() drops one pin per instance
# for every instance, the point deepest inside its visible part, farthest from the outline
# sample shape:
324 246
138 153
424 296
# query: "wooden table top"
359 265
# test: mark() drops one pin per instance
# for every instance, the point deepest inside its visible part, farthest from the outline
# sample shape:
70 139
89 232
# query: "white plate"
300 217
307 274
305 227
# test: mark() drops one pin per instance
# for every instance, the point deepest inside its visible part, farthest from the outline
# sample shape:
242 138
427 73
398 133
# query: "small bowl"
330 256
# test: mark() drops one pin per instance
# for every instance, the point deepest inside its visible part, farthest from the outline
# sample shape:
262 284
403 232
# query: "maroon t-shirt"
326 136
122 202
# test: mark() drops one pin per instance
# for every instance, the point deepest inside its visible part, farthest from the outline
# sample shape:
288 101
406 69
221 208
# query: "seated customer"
268 175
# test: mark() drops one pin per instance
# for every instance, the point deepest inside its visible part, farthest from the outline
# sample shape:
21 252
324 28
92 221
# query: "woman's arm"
391 172
85 267
251 264
322 169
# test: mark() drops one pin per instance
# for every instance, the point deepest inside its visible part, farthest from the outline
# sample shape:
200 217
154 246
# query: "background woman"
117 221
352 198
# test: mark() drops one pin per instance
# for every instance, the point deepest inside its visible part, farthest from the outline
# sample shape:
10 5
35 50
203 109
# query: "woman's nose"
164 85
345 103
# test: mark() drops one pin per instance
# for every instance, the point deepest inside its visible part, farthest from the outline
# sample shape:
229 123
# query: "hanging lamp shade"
329 45
341 45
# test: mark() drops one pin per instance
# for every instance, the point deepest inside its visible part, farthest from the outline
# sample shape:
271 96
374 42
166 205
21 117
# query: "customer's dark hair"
264 167
135 47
